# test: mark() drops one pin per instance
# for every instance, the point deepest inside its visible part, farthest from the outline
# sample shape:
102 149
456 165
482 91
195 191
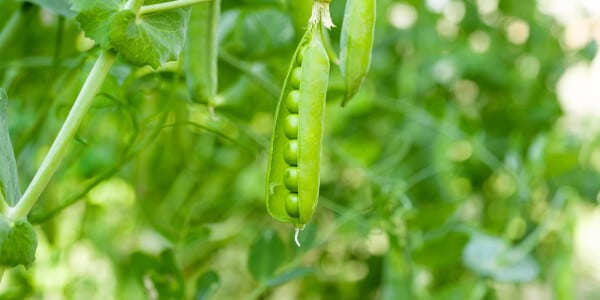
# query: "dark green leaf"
207 285
266 255
160 275
9 179
18 242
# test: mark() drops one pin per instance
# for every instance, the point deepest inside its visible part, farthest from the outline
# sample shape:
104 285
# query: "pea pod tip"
296 233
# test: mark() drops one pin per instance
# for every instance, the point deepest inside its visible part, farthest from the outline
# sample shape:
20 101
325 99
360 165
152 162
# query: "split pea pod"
356 44
200 53
295 154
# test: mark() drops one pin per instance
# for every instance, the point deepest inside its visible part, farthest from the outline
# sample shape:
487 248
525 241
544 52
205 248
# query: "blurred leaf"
266 255
491 257
61 7
258 32
9 179
289 276
160 275
452 242
207 285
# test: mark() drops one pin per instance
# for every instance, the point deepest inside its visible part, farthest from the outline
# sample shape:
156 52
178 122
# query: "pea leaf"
207 284
18 242
266 255
95 18
9 179
60 7
150 39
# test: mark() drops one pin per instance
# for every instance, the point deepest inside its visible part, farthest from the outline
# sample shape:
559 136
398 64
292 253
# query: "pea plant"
153 33
301 149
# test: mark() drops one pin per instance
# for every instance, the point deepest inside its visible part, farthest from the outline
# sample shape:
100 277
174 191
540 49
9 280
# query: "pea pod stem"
65 136
154 8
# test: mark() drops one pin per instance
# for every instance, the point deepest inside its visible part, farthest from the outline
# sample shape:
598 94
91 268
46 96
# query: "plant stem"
1 273
3 205
152 8
65 135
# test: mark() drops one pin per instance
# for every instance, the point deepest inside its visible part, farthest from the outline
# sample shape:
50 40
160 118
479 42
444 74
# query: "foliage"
452 174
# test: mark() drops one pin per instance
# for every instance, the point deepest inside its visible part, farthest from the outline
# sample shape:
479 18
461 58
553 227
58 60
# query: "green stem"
13 25
1 273
153 8
65 135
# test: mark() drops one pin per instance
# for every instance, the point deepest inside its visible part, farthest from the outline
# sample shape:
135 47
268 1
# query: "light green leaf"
9 179
95 18
60 7
151 39
491 257
18 242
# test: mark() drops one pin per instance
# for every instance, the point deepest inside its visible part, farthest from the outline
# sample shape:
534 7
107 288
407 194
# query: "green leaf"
18 242
207 285
9 179
95 18
266 255
60 7
491 257
150 39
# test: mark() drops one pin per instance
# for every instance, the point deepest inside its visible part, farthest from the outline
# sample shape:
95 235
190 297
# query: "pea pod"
356 44
294 161
200 53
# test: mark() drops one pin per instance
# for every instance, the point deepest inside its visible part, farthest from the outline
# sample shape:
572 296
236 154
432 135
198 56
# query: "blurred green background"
466 168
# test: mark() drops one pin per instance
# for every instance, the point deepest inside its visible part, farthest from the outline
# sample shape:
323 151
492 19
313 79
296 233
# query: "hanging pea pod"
295 154
200 53
356 44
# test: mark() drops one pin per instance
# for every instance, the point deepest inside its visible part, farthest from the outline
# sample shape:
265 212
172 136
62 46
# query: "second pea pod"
295 154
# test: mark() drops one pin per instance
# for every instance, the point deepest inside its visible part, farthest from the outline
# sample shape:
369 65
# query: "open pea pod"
292 188
358 32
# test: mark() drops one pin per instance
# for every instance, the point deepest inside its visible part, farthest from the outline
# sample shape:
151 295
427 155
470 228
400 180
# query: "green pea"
291 126
292 207
290 154
290 179
292 101
300 56
356 44
296 77
295 152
